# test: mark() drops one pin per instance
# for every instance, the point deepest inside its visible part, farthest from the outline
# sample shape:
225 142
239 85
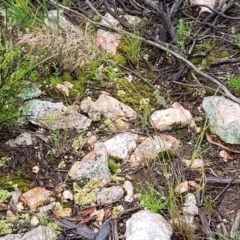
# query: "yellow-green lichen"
83 195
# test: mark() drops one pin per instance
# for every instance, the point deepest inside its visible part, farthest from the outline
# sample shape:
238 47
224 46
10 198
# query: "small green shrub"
234 83
183 30
153 200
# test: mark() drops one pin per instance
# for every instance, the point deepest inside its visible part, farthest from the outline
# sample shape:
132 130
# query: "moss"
113 166
10 183
134 92
224 54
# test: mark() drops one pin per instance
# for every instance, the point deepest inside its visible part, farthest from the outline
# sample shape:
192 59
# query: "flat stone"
40 233
113 109
12 237
121 145
36 197
224 118
151 147
93 166
54 115
29 90
171 117
109 195
145 225
24 139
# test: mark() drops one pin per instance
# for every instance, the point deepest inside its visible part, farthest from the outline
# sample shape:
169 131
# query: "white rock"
190 205
54 115
45 209
93 166
197 163
113 109
106 39
24 139
189 210
121 145
40 233
12 237
34 221
68 195
89 107
129 189
209 3
145 225
109 195
224 118
151 147
171 117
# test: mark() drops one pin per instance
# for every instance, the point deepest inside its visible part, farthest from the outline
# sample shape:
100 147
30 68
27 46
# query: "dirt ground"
219 203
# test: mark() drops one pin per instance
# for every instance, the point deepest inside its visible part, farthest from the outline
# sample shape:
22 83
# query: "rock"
190 205
14 200
67 195
129 189
189 210
93 166
145 225
108 40
34 221
121 145
109 195
24 139
210 3
12 237
36 197
50 207
89 107
113 109
29 90
224 118
54 115
151 147
171 117
196 163
40 233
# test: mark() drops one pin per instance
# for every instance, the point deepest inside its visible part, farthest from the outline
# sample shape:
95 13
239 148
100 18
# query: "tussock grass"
71 46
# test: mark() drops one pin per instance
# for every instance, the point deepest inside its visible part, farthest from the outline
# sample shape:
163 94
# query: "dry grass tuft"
70 45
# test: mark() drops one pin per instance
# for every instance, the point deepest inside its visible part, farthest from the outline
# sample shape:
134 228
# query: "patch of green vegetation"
4 196
5 227
113 165
83 195
208 203
153 200
184 29
213 54
234 83
24 12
